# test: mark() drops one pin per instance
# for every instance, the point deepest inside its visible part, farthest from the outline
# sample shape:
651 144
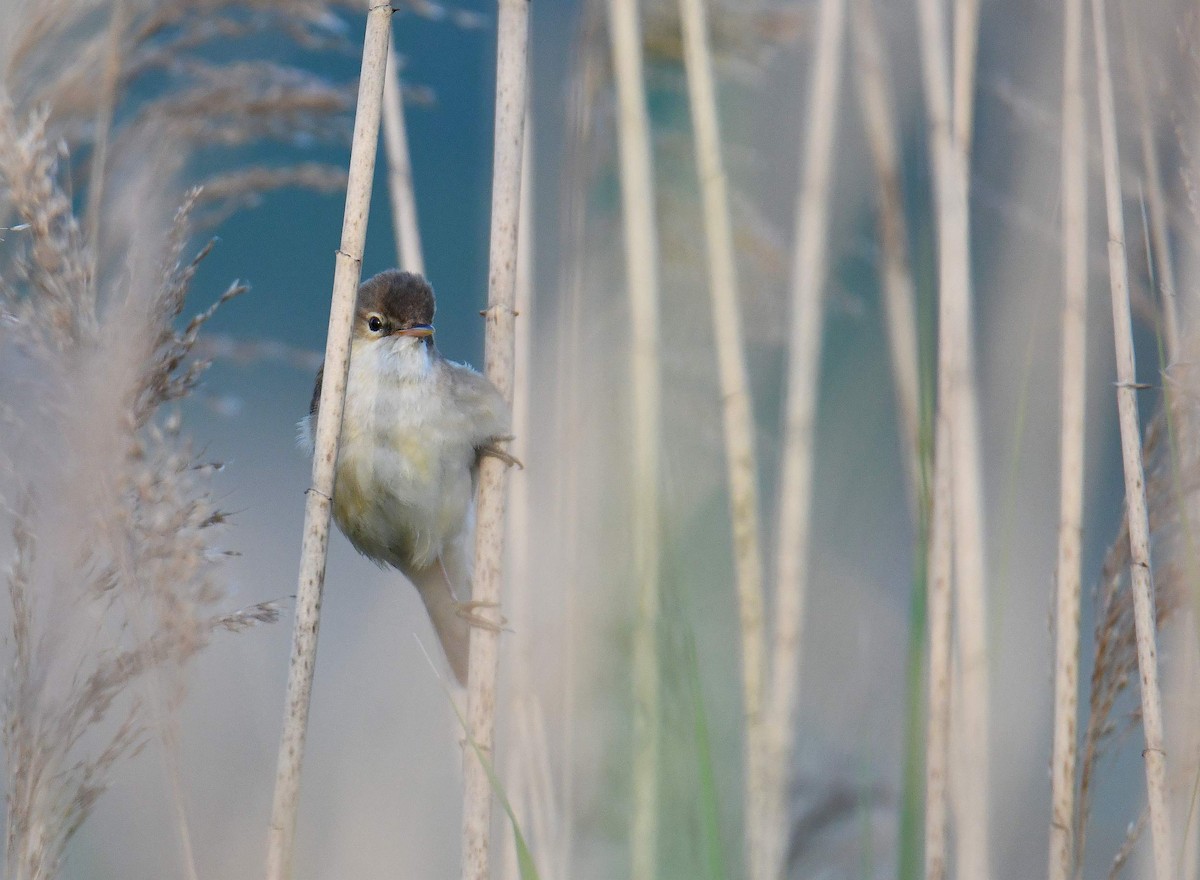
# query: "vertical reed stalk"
499 352
1162 276
957 401
400 181
570 376
1135 478
1164 266
937 748
519 758
347 272
641 258
795 489
737 409
1074 393
966 43
1180 421
875 105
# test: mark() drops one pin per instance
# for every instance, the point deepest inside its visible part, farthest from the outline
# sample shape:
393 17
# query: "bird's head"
395 306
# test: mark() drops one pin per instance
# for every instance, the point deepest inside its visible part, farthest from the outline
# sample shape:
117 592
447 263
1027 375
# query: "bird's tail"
453 631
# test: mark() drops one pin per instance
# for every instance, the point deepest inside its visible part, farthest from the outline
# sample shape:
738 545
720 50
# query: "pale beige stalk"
809 266
520 536
958 401
938 584
1181 417
1135 479
1074 394
520 757
899 299
499 351
1162 274
347 272
1164 266
737 410
641 261
400 181
966 43
568 433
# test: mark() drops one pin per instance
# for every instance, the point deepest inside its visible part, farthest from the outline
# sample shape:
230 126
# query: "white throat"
402 358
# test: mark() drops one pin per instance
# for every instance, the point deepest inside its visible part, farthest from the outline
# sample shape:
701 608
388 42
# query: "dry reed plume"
113 582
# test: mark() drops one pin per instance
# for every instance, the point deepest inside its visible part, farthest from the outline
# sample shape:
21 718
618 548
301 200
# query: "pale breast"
403 479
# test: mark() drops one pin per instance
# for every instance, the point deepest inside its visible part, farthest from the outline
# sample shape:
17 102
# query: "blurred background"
382 778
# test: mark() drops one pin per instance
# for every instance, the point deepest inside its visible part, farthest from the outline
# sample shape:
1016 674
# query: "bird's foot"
466 610
495 451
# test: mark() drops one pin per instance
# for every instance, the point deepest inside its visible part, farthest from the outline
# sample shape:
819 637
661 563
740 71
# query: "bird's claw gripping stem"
466 610
494 449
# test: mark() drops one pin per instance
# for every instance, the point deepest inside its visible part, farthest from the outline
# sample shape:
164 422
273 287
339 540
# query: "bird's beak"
418 330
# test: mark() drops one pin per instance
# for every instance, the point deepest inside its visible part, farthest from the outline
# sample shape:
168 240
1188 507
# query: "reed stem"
400 180
809 268
499 357
958 414
737 410
1135 477
315 545
937 743
1074 394
641 259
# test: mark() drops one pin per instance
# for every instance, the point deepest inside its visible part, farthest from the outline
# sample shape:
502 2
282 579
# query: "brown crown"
402 298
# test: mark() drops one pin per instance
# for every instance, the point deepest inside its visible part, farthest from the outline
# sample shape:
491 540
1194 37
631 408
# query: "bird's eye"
374 323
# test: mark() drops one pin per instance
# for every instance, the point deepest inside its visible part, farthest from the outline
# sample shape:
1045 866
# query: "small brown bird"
414 428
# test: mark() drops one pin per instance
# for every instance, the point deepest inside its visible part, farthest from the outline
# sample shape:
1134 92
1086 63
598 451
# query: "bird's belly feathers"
403 488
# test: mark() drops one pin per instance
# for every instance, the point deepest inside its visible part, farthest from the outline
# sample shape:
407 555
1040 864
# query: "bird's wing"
316 398
484 411
306 428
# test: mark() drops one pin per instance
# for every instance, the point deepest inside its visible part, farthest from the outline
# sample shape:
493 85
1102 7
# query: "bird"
414 429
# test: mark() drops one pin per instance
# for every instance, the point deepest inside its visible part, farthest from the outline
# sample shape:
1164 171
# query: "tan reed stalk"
1074 393
641 260
570 405
1162 274
795 487
957 400
347 272
400 181
875 105
737 410
109 84
966 43
1164 266
520 536
938 581
518 756
1180 420
1135 478
511 100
